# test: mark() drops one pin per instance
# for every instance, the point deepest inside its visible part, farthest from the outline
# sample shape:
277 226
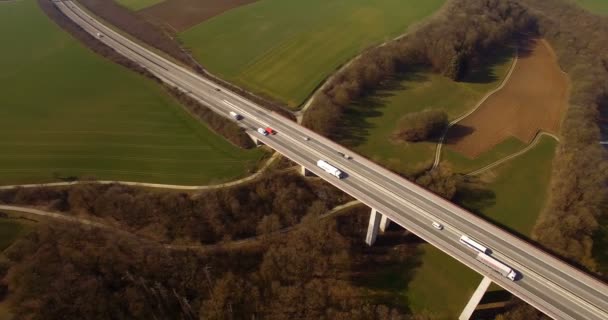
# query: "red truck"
270 131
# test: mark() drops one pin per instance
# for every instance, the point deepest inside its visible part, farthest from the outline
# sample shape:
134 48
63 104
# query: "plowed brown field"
534 98
183 14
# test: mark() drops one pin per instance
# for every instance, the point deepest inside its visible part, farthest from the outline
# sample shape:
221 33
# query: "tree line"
580 172
206 217
450 44
62 271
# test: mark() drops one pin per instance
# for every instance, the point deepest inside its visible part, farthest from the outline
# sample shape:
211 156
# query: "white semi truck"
473 244
497 266
330 169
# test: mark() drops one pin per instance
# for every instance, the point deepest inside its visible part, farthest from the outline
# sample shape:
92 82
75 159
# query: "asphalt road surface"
544 281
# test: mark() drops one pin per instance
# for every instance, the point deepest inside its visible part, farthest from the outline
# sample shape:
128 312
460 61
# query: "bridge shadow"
386 268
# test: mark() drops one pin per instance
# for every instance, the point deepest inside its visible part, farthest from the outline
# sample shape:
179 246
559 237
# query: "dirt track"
183 14
534 98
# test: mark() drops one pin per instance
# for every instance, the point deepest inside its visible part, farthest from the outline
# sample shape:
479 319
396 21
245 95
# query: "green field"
518 193
138 4
369 123
595 6
68 113
462 164
285 48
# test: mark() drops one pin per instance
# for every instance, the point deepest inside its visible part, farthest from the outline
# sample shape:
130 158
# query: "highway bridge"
544 281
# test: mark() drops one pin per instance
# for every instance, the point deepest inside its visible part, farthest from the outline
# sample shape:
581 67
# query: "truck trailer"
497 266
473 244
330 169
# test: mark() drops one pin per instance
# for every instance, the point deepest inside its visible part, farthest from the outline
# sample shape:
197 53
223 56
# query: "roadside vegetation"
284 49
71 115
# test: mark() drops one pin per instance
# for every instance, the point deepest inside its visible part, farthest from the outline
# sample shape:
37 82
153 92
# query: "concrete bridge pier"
305 172
475 299
384 222
255 139
377 222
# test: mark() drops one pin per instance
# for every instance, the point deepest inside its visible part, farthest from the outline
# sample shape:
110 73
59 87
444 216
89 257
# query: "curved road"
547 283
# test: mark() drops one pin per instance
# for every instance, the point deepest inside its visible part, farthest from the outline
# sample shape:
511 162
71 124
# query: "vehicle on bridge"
269 130
345 156
330 169
497 266
473 244
235 115
262 131
437 225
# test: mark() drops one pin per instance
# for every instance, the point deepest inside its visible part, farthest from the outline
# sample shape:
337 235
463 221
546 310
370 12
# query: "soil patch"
180 15
534 98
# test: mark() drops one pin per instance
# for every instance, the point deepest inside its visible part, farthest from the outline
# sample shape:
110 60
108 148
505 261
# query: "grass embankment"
68 113
595 6
370 123
517 192
138 4
284 49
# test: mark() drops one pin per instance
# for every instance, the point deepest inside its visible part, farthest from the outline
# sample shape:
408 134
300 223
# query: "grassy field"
285 48
138 4
595 6
370 123
462 164
520 188
441 286
69 113
518 193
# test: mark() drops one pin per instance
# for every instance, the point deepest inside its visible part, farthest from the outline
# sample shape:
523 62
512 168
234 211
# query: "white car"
437 225
262 131
235 115
305 138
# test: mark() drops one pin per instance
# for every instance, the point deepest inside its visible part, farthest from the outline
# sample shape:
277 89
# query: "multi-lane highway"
547 283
